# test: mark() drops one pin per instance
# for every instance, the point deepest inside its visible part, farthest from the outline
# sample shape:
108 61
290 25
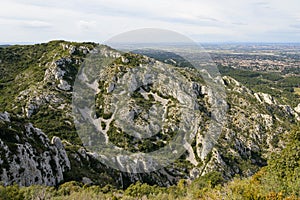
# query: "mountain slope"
36 89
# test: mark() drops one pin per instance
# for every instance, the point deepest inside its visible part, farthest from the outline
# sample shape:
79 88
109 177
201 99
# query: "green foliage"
54 123
166 57
69 190
133 60
88 168
211 179
11 192
121 139
279 86
139 190
283 170
69 187
22 67
38 192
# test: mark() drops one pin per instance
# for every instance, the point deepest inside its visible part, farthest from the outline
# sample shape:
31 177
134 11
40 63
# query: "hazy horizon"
204 43
102 42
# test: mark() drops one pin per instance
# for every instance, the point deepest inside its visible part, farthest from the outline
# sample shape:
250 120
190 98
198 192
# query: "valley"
256 123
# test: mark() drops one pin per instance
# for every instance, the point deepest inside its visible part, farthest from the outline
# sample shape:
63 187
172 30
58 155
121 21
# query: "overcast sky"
201 20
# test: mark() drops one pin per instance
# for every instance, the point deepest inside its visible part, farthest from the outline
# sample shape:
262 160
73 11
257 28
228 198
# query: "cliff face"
28 156
39 143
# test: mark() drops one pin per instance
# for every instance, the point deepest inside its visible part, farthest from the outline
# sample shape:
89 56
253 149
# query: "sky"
34 21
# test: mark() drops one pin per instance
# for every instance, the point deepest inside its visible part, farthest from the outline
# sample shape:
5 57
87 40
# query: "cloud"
262 4
239 23
100 19
36 24
87 25
297 26
197 21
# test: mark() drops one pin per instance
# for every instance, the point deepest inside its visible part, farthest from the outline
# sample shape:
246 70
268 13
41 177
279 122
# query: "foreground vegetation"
280 179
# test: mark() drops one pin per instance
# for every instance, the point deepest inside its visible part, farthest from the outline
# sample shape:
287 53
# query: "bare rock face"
87 181
265 98
5 117
56 80
249 133
34 99
297 109
56 73
253 123
32 158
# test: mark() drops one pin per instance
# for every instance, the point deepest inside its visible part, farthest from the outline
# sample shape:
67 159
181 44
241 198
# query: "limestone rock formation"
39 108
28 157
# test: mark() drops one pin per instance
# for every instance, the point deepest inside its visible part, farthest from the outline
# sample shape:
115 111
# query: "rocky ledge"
28 156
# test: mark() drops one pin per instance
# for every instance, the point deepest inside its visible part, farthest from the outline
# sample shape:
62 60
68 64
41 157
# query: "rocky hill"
40 145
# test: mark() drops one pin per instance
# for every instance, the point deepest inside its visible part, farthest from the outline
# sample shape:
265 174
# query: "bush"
139 190
11 192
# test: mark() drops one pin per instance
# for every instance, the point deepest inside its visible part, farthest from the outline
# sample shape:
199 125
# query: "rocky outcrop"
266 98
5 117
28 157
34 98
56 72
158 92
297 109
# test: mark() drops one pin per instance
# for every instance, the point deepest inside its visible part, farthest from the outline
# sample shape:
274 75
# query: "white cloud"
98 20
36 24
87 25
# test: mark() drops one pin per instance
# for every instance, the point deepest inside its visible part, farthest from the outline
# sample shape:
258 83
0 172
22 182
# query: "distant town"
283 58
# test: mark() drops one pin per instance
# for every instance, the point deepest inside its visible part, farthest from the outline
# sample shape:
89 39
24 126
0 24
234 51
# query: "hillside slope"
36 85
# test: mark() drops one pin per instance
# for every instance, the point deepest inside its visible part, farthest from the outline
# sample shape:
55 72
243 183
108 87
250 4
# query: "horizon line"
197 42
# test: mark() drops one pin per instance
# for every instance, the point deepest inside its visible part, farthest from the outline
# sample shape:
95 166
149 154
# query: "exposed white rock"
87 181
34 100
297 109
124 60
111 87
267 119
35 96
29 164
64 85
83 152
84 49
30 109
62 106
54 72
107 52
194 173
191 156
64 46
5 116
265 98
62 157
232 81
94 51
246 132
287 109
72 49
235 85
